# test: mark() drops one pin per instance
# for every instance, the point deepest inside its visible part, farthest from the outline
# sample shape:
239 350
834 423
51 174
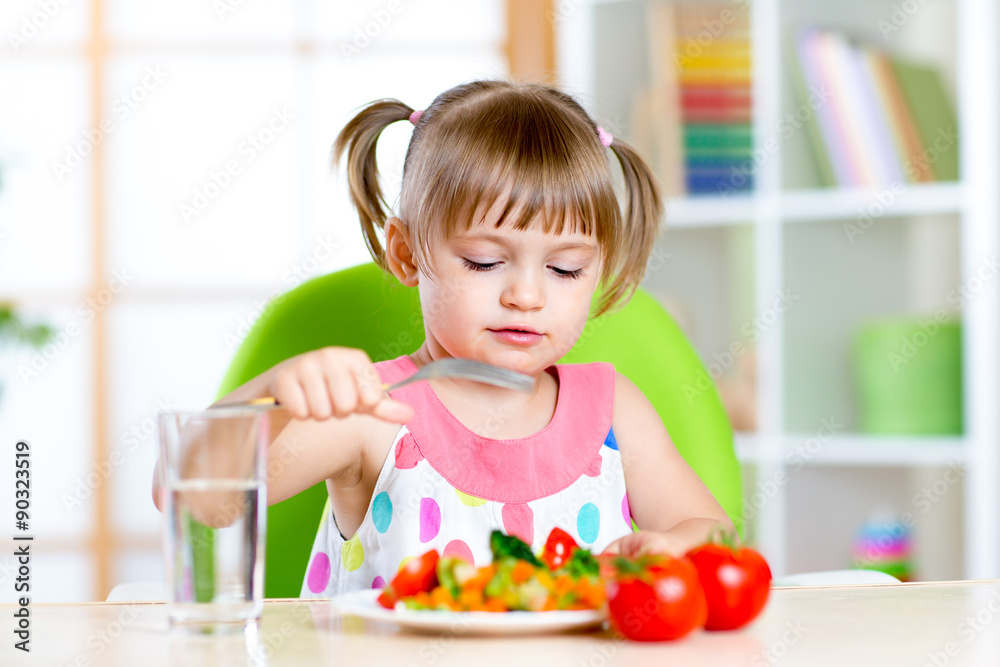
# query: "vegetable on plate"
736 580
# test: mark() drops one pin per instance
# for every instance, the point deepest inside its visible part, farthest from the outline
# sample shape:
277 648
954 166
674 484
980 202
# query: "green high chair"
364 307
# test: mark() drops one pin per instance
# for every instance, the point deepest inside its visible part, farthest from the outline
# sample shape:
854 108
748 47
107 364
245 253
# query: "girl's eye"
480 266
563 273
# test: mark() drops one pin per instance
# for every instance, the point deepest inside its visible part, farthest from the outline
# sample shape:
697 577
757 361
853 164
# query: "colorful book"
812 90
875 120
904 128
933 115
883 120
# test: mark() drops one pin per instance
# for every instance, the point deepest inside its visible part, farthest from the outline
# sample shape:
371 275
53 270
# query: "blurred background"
831 244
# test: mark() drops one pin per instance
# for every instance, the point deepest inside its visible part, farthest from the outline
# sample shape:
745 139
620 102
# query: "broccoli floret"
581 563
509 546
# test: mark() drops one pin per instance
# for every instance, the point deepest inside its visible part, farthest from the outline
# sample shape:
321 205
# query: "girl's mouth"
517 336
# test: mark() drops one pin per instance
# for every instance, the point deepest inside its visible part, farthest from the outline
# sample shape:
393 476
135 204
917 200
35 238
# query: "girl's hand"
645 542
334 382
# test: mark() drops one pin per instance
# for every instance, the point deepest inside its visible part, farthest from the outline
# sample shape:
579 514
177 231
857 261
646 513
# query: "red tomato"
652 598
558 548
736 580
418 575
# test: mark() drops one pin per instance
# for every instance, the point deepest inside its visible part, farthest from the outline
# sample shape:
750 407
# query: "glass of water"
213 467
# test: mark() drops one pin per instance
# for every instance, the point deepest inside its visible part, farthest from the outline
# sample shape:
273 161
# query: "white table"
953 624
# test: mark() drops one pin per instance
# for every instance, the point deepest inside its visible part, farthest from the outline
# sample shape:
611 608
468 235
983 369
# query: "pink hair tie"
415 116
604 136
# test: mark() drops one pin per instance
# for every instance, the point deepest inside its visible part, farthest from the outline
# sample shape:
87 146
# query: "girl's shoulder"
593 371
394 370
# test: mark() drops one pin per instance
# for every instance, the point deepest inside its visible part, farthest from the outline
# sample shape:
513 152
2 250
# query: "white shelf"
819 205
710 211
843 203
905 268
853 450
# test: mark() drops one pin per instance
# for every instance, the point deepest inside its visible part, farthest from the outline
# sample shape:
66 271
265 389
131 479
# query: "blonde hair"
532 144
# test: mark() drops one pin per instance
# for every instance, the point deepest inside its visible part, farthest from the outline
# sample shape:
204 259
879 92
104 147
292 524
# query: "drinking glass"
214 475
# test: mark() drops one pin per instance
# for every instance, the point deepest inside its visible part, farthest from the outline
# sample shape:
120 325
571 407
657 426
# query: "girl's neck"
494 412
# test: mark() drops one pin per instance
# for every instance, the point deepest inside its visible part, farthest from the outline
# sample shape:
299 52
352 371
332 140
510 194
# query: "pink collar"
519 470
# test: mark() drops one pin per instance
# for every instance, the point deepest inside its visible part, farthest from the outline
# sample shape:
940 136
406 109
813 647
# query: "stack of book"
701 97
873 119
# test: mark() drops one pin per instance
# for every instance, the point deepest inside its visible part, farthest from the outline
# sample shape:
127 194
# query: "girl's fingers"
369 383
317 393
614 548
393 411
344 392
291 395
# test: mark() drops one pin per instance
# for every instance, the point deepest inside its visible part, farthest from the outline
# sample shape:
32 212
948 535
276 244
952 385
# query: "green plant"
14 331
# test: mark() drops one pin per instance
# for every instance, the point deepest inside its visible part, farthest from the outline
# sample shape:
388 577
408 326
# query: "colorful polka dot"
626 512
471 501
378 582
519 520
319 573
407 453
382 512
588 523
352 554
611 441
459 549
430 519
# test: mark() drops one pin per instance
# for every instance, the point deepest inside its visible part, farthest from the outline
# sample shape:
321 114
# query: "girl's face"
513 298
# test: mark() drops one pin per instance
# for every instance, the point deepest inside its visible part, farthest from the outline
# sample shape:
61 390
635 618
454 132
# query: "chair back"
365 308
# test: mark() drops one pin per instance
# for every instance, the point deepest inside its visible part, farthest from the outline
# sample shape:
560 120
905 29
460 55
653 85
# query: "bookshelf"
724 260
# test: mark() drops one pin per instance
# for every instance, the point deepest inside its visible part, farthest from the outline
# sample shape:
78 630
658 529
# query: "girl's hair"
530 144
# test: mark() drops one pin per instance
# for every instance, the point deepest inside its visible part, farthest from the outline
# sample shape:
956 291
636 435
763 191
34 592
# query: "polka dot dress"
444 487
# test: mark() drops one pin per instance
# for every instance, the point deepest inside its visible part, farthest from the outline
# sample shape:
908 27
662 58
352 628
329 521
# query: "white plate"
364 604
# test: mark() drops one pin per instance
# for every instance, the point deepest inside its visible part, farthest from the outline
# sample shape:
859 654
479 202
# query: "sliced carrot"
563 585
495 604
522 571
479 582
440 596
470 598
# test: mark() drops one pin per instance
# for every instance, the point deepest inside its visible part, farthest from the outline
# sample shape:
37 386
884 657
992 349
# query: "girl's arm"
671 506
330 399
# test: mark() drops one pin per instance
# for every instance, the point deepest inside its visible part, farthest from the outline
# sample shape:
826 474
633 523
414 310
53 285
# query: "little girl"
508 224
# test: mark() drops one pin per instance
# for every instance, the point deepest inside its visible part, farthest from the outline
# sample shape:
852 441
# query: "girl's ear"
399 252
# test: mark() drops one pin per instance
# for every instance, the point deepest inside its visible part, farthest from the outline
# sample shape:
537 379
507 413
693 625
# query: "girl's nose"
524 291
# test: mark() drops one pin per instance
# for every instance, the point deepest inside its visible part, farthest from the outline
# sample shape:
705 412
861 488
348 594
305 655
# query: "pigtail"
641 217
358 139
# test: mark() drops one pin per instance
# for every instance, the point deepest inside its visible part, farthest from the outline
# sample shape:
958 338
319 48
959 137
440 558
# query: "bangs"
545 166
